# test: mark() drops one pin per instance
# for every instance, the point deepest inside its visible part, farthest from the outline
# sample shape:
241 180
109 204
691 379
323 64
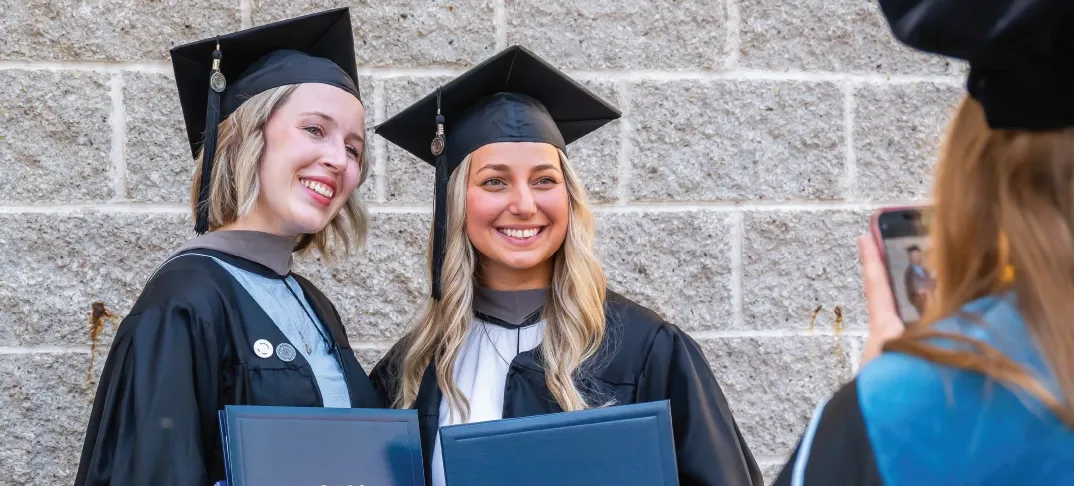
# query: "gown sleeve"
835 448
155 405
708 445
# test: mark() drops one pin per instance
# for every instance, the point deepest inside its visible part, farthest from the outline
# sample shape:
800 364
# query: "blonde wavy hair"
235 182
1004 205
574 312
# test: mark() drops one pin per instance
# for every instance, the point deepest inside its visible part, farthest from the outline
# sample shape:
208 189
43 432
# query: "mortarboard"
1020 52
514 96
215 76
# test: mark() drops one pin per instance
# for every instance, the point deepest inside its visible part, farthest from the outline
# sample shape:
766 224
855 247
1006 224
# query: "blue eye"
492 182
314 130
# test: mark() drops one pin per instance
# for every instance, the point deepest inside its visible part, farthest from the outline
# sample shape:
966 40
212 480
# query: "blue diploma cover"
627 445
287 446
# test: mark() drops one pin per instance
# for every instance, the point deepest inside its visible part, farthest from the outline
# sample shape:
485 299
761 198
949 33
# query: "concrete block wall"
758 135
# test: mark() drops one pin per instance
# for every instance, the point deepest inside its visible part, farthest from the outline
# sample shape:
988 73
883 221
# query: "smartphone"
901 233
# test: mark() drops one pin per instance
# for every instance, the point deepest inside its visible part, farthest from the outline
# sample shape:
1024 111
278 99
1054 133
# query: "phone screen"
904 236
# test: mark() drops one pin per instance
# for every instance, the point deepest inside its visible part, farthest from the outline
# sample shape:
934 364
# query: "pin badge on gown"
262 348
286 352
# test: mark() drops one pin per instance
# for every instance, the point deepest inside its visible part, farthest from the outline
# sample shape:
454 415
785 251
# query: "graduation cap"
514 96
215 76
1021 53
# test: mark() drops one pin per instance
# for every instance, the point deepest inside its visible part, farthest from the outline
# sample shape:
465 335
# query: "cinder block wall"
758 135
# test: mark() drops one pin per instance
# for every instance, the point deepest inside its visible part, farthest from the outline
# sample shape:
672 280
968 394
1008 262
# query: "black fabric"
1020 53
529 320
315 48
642 358
840 452
180 356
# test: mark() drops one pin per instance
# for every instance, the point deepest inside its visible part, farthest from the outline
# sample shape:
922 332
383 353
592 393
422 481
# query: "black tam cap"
215 76
1021 53
514 96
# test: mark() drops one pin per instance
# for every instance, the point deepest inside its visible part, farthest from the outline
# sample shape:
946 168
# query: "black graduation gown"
646 359
841 453
184 351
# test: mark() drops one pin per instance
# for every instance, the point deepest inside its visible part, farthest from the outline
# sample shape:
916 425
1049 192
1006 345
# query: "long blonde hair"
1004 199
574 312
235 181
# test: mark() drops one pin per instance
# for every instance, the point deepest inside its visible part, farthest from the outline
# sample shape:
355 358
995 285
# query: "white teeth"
520 234
318 188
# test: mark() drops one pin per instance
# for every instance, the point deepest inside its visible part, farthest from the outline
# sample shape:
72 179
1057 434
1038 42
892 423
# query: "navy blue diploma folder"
626 445
288 446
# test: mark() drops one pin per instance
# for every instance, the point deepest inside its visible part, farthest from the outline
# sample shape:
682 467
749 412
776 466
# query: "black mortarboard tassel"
217 83
440 209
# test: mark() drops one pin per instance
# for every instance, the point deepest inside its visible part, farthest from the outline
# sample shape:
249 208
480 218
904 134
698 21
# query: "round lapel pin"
286 352
262 348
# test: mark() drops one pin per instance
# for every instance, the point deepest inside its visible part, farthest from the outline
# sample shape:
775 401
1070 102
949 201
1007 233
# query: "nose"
522 203
336 158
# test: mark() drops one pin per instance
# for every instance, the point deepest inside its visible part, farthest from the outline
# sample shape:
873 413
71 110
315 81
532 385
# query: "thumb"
879 299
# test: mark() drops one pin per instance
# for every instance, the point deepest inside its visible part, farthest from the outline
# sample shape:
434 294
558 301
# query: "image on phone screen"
904 234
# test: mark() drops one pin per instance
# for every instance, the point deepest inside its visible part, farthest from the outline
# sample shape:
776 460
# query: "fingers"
878 295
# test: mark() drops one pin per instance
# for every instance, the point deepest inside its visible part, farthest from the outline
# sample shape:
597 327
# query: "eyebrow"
357 135
504 168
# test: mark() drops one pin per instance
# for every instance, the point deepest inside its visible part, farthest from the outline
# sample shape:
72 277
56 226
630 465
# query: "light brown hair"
235 182
1003 200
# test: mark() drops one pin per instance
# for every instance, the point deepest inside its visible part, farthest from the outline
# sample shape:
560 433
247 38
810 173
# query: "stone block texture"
679 264
122 30
730 140
826 35
896 142
756 139
794 262
55 137
411 33
659 34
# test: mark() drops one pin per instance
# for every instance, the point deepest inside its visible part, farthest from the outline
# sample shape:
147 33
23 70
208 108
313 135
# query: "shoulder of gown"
670 365
161 365
905 420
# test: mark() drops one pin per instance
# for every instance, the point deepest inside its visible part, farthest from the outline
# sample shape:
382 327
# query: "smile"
318 187
520 234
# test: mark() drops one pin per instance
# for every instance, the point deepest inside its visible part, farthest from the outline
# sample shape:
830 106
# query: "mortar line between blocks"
246 14
634 75
422 208
499 20
770 460
622 190
849 117
734 35
44 349
373 345
775 333
380 146
737 296
855 356
119 138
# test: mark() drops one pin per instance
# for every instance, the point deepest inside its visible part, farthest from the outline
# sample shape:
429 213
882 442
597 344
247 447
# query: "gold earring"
1008 274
